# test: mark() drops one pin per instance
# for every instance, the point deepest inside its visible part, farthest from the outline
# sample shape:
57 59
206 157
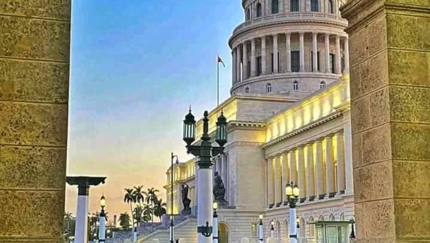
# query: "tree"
151 197
69 225
129 198
147 213
124 220
159 208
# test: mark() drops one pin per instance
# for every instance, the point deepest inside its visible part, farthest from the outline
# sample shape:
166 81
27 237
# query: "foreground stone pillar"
34 88
390 94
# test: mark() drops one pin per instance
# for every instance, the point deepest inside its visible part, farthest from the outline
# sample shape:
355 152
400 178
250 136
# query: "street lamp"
204 174
102 219
292 192
272 229
298 226
135 231
352 235
260 229
215 223
172 234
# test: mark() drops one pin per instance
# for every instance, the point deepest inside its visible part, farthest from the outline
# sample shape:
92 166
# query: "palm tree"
138 194
147 213
138 212
124 220
159 208
129 198
151 197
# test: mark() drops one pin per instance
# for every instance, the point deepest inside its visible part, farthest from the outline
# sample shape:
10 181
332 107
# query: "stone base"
186 211
222 203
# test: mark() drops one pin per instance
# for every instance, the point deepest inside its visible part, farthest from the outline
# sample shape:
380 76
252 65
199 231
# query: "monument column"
390 92
34 89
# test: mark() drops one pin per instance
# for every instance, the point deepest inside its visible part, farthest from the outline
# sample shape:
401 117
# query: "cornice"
345 106
303 129
243 143
249 124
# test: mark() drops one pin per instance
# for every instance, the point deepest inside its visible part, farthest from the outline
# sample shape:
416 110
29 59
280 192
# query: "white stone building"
289 120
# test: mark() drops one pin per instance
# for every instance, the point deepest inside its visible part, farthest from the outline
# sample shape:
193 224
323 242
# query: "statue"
219 190
185 200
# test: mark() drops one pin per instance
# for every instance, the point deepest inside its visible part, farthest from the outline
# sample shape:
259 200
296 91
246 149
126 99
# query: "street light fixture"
352 235
260 229
102 216
272 229
292 192
172 234
215 223
204 151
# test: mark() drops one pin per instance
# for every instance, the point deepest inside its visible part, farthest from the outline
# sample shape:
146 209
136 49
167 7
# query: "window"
332 63
259 10
247 90
330 6
322 84
295 61
275 6
254 229
248 14
312 61
294 5
295 85
269 88
273 63
314 5
259 66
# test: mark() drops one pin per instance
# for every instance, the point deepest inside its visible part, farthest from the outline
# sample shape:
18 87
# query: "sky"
136 67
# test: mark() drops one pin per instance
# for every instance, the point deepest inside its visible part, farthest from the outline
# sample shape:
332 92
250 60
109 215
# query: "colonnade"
318 168
247 65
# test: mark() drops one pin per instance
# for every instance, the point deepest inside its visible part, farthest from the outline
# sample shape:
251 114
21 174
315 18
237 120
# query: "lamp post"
172 233
352 235
292 192
215 223
298 228
272 229
260 229
204 174
135 232
102 219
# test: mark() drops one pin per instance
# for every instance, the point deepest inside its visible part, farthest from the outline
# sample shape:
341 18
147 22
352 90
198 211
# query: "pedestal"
204 208
293 226
102 228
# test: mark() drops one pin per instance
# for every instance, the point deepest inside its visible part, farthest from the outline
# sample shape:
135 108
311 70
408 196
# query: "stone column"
277 187
253 67
275 53
315 51
284 176
327 54
263 55
390 118
346 51
245 61
340 163
270 198
319 170
349 185
233 66
302 51
301 181
238 61
292 161
288 48
310 180
34 88
337 56
329 180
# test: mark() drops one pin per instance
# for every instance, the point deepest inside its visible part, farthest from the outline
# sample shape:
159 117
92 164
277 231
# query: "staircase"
185 228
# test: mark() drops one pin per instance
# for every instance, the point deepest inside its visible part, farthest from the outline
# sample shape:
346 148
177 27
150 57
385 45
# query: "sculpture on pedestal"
219 190
185 200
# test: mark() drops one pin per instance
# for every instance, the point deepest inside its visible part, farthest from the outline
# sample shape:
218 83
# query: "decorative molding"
345 106
243 143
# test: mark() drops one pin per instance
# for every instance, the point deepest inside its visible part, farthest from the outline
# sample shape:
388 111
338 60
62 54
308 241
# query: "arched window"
275 6
302 228
314 5
247 90
331 217
330 6
295 85
294 5
248 14
269 88
278 229
259 10
322 84
342 217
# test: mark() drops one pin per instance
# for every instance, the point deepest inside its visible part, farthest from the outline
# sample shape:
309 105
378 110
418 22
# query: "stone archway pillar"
389 42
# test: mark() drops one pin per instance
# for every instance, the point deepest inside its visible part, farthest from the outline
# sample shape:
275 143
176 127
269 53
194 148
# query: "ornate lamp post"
260 229
204 174
215 223
352 235
172 234
292 192
102 219
272 229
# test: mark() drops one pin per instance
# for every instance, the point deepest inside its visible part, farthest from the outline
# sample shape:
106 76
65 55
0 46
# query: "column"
301 174
277 187
33 118
288 48
226 177
263 55
253 72
319 170
238 61
270 182
302 51
102 227
340 163
275 53
284 176
233 66
346 51
337 56
245 61
329 167
327 53
315 51
310 180
292 160
81 227
204 208
347 133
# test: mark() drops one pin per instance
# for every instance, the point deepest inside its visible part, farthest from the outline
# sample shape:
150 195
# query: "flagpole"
217 83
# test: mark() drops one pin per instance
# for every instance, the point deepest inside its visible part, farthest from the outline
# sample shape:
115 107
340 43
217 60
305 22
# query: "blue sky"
136 66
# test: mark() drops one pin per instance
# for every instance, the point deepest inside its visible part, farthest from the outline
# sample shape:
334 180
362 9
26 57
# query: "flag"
220 61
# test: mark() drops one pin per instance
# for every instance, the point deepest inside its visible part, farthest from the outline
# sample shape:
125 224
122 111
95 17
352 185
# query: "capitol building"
288 120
